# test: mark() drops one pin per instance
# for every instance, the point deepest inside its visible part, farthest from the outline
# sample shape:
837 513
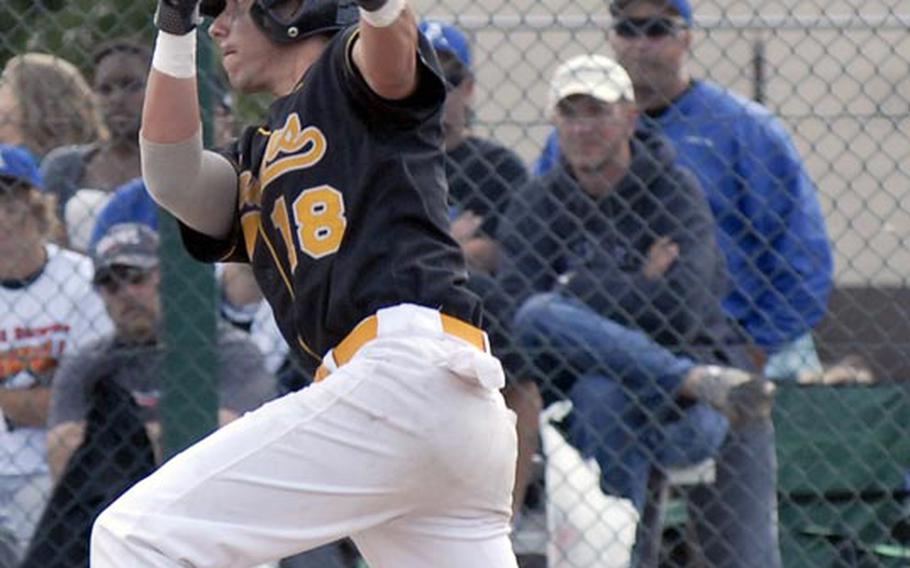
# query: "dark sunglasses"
13 186
112 279
647 27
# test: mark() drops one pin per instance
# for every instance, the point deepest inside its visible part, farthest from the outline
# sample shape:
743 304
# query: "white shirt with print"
51 316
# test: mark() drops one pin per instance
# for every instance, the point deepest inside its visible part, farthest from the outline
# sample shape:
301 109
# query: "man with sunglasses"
127 278
128 360
770 223
770 228
482 174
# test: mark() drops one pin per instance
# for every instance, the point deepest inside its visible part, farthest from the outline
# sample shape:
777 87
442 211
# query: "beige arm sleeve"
197 186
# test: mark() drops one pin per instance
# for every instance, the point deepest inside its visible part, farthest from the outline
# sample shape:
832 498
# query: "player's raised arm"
171 111
197 187
386 52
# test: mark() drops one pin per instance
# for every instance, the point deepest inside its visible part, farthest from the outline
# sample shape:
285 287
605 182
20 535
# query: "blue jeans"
627 416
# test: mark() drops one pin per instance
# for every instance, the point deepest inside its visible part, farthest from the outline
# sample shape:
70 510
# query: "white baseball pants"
408 448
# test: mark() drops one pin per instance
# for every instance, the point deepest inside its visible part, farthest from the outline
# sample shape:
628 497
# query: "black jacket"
115 454
559 238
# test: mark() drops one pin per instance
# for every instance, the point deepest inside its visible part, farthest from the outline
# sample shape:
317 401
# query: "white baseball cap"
593 75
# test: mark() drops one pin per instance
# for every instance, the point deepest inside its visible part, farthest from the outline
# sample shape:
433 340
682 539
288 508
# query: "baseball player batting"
338 202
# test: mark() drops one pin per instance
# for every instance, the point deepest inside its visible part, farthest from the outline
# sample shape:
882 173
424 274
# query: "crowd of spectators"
664 264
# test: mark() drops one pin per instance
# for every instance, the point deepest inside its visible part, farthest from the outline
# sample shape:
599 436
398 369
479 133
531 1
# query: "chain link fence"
643 315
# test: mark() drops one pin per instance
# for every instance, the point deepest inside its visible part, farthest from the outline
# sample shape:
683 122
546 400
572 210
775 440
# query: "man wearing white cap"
615 252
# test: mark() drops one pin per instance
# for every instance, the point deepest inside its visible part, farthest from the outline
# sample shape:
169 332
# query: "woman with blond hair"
45 102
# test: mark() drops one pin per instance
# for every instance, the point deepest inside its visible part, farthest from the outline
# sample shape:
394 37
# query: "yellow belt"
368 329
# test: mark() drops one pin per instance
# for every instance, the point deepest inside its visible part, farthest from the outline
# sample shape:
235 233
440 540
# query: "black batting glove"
178 17
371 5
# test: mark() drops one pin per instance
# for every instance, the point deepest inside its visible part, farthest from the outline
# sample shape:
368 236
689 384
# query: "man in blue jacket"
614 250
770 224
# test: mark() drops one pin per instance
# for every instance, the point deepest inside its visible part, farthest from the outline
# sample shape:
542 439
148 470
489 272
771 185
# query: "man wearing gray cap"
616 249
128 360
127 277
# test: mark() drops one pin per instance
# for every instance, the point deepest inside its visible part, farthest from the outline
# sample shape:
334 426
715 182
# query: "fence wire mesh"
751 233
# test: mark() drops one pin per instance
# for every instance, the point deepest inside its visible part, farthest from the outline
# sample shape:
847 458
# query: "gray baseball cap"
126 244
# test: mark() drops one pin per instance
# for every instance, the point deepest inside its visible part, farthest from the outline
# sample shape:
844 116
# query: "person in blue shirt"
770 224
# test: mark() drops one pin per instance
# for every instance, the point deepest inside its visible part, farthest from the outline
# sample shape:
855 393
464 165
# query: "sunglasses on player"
112 279
652 28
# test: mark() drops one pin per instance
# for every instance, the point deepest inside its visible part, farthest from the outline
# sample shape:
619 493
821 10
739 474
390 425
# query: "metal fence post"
189 401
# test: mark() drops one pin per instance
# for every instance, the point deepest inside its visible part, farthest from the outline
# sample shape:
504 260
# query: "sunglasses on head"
647 27
114 278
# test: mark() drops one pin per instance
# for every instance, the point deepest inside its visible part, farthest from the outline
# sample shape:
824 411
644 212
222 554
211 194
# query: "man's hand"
481 254
178 17
661 256
465 226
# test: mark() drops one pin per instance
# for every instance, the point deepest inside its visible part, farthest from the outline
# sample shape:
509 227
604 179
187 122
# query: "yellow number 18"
319 221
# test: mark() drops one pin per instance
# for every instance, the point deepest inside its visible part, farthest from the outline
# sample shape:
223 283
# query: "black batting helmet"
310 17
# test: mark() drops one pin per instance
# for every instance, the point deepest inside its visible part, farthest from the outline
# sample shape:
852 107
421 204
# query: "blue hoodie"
770 224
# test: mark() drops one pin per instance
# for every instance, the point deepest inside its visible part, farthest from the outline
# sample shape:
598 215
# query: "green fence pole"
189 408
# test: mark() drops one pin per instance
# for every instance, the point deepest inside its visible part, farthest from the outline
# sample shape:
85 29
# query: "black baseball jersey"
342 204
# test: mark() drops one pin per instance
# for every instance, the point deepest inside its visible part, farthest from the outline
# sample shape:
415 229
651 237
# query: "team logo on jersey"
250 198
291 148
309 220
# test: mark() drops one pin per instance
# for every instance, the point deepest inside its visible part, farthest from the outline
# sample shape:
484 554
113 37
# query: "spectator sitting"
45 102
770 224
120 68
482 174
47 307
618 244
126 274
